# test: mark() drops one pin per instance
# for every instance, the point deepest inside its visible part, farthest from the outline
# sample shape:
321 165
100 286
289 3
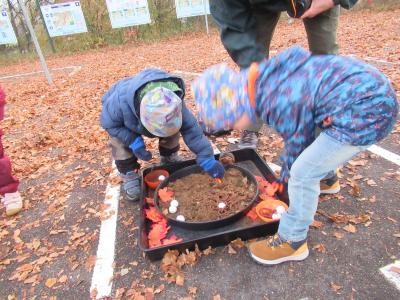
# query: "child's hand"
216 171
139 149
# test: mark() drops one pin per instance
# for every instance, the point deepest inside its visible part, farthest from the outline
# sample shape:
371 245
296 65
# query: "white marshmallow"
172 209
161 177
180 218
174 203
221 205
276 216
280 209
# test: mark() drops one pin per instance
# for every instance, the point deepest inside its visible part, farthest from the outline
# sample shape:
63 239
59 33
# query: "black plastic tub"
245 228
196 169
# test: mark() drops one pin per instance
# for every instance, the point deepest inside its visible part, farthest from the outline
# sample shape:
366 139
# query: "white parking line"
392 276
394 158
103 270
186 73
76 69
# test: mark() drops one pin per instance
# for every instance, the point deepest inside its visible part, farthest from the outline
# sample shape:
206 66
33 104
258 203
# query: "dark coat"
120 114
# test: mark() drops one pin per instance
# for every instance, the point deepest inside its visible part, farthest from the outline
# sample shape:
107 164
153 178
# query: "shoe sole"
250 146
331 191
264 262
131 198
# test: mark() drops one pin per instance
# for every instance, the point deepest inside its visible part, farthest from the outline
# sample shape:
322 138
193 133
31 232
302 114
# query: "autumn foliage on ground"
59 152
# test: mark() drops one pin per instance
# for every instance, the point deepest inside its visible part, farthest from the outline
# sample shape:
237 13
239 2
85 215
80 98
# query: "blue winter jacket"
120 114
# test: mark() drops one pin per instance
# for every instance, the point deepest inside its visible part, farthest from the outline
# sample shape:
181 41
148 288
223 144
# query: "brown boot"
275 250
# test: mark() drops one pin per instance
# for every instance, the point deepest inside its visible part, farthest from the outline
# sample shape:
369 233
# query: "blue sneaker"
131 185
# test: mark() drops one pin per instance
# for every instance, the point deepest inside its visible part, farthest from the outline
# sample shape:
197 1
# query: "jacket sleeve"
112 120
347 4
237 28
193 136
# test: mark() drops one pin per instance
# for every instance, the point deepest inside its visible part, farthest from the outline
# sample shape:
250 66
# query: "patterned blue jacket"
350 100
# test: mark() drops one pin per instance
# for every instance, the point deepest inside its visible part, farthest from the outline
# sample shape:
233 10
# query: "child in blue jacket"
151 104
350 101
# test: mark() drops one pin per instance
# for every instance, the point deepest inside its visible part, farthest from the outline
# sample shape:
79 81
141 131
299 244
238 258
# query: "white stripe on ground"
392 276
186 73
394 158
103 270
76 69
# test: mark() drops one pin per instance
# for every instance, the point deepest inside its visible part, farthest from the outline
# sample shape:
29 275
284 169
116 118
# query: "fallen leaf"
317 224
124 272
395 269
373 199
338 235
63 279
335 287
252 214
165 195
173 239
393 220
93 293
50 282
192 289
350 228
153 214
320 248
231 250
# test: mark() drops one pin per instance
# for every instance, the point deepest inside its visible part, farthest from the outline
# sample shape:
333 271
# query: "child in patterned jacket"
350 101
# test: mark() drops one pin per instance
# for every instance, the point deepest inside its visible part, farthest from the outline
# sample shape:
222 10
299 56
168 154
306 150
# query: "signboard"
64 18
125 13
7 34
189 8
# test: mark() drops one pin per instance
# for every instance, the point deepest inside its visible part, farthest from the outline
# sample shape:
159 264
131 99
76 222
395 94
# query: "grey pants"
126 160
321 33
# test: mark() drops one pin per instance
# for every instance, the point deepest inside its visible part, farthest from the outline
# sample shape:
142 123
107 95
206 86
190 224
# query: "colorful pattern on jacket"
350 100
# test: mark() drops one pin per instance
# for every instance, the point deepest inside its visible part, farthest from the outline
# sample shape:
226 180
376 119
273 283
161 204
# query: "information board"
125 13
189 8
64 18
7 34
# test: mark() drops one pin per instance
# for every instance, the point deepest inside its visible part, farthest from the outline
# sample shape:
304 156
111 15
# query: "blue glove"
139 149
213 168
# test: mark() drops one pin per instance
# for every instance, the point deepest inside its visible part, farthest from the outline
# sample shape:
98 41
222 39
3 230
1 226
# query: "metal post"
45 27
33 35
120 36
205 14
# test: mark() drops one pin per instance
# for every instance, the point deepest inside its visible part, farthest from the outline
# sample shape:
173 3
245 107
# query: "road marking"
394 158
76 69
186 73
392 276
103 270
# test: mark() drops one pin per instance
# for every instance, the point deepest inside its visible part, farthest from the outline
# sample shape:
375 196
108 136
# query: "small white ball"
174 203
276 216
172 209
280 209
180 218
161 177
221 205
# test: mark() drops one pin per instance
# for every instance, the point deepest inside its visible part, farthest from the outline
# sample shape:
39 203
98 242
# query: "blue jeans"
313 164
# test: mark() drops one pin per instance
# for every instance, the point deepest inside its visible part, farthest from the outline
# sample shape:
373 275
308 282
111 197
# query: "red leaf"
264 197
171 240
150 200
157 233
270 190
259 178
262 185
153 214
252 213
165 195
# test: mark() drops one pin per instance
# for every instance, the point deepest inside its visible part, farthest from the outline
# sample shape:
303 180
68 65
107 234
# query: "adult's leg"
313 164
265 26
322 31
